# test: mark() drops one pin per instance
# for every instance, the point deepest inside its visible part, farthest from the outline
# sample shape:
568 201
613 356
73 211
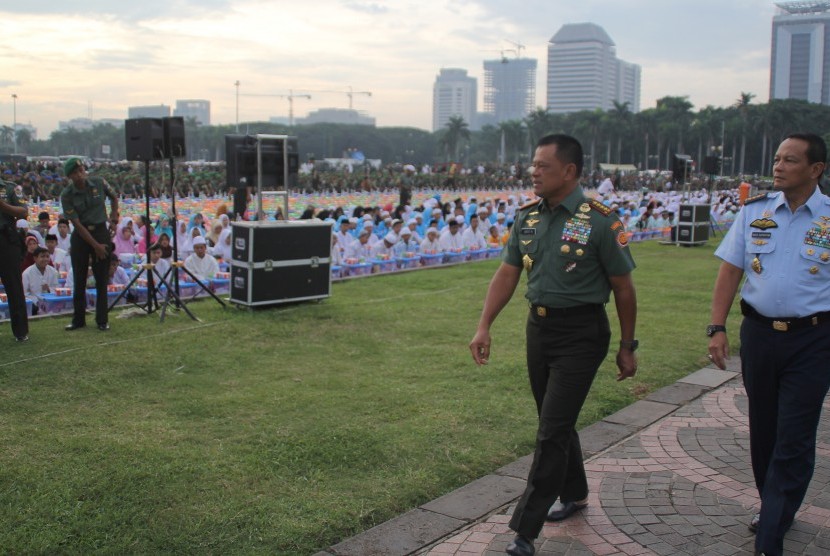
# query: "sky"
65 60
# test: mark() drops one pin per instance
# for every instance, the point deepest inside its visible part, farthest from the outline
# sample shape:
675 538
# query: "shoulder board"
756 198
529 205
599 207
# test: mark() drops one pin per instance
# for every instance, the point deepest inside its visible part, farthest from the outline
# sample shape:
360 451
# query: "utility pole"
14 124
236 84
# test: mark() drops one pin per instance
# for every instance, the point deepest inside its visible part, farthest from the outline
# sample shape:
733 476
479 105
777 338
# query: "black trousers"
786 376
11 255
82 255
563 355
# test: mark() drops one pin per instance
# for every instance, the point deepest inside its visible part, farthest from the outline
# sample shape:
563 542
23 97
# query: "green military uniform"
568 253
11 255
88 206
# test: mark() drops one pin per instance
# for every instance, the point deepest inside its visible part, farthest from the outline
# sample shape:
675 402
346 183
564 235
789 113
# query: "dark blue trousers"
563 355
786 376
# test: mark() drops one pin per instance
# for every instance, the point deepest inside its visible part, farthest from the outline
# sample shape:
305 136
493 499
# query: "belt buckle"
541 311
780 325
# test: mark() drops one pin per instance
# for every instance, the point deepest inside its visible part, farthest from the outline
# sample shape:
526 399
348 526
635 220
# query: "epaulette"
530 204
599 207
756 198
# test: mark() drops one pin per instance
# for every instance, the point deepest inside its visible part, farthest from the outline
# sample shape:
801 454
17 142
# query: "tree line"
744 135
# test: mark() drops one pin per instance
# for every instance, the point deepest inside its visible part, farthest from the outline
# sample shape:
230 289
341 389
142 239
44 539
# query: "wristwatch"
713 329
630 345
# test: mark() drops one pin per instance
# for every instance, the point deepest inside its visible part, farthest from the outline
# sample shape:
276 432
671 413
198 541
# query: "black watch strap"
630 345
713 329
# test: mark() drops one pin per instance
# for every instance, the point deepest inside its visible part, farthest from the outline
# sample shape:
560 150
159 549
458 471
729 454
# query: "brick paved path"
682 485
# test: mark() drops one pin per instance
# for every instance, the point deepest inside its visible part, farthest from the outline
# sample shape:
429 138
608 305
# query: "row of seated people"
43 277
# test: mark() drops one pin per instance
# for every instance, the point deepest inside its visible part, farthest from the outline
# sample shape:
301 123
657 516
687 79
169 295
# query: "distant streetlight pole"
14 124
237 105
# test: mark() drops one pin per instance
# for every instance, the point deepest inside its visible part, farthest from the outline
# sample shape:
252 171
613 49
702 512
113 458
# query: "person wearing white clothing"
40 278
430 244
200 264
473 238
362 248
385 247
451 238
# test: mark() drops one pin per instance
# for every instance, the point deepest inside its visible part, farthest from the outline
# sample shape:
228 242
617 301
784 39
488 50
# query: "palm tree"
513 132
6 135
674 118
742 104
539 123
455 132
619 123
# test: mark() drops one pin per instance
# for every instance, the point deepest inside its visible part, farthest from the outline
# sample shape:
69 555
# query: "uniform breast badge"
756 265
527 262
570 266
825 256
531 221
763 223
813 270
565 249
579 252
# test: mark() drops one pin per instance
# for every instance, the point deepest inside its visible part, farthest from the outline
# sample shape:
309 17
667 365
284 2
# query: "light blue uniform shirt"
791 277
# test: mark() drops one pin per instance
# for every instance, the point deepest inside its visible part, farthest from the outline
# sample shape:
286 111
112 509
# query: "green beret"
70 165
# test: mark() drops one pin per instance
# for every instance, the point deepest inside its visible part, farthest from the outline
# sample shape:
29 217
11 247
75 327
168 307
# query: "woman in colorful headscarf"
163 226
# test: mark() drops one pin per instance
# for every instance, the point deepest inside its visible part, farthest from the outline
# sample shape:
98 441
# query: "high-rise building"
336 116
193 108
154 111
509 88
801 51
584 72
454 94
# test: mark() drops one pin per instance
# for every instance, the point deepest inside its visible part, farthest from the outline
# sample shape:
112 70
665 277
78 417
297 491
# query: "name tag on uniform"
762 235
528 231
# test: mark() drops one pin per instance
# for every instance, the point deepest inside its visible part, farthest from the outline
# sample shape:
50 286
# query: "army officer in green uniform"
575 252
12 208
83 202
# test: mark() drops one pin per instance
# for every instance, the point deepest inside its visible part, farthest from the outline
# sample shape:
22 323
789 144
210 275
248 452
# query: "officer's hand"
719 349
480 347
101 251
626 363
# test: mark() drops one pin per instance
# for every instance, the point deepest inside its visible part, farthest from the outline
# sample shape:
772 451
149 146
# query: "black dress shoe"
104 327
558 511
73 326
521 547
753 523
22 339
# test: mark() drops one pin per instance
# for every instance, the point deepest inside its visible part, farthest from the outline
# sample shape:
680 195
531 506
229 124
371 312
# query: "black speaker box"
174 137
144 138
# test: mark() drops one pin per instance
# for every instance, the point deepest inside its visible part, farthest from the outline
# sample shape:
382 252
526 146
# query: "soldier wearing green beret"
575 253
83 202
12 208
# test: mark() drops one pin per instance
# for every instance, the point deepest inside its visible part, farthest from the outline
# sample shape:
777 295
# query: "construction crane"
350 93
501 52
519 46
290 96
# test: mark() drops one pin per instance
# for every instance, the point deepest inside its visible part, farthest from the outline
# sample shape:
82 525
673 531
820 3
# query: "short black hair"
63 221
50 237
39 250
816 147
43 215
568 149
155 247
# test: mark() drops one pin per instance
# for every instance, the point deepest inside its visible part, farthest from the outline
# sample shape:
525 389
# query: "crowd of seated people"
359 233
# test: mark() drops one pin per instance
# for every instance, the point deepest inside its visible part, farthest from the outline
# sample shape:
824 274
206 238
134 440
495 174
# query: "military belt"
784 324
561 312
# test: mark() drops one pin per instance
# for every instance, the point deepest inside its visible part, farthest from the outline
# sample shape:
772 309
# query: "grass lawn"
282 431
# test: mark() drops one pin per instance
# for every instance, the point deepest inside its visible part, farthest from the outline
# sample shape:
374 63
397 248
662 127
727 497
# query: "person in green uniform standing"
83 202
575 252
12 208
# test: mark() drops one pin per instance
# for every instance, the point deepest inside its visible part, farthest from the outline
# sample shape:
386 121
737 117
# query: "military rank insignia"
576 231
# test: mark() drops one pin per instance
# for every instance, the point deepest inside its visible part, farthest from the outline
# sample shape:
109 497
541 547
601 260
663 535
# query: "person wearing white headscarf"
186 249
223 245
182 239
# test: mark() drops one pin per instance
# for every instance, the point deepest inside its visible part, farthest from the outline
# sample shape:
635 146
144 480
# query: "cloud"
367 7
